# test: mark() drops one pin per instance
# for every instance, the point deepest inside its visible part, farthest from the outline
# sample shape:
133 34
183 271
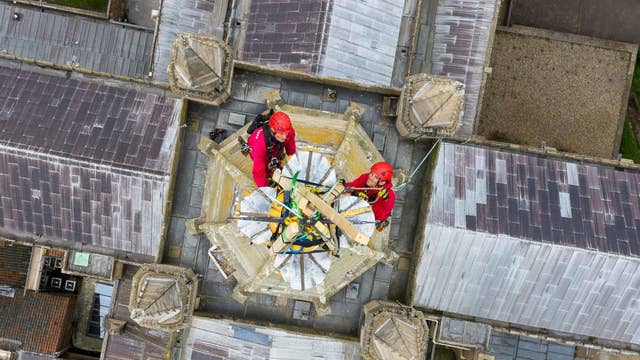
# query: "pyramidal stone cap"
392 331
200 68
162 296
430 106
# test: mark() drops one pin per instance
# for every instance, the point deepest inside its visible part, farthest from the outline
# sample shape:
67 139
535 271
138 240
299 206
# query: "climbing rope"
400 187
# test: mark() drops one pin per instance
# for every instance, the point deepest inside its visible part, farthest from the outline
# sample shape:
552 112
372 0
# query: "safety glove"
363 195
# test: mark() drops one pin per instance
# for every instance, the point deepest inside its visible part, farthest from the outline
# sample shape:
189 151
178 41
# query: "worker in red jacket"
376 188
270 144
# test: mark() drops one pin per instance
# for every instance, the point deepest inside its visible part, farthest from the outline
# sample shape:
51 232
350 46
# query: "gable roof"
84 162
339 38
75 40
184 16
85 120
287 34
532 241
42 322
537 198
134 342
461 47
224 339
361 40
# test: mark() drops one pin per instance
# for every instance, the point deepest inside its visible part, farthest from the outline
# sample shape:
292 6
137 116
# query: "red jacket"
381 208
261 157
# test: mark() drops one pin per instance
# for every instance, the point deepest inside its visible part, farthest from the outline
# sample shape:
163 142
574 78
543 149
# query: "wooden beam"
325 209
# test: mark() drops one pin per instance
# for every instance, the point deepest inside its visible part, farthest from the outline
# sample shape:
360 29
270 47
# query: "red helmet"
383 170
280 122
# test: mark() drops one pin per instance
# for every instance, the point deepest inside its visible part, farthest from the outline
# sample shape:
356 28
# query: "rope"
404 185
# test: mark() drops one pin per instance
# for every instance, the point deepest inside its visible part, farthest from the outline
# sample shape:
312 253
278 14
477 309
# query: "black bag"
260 120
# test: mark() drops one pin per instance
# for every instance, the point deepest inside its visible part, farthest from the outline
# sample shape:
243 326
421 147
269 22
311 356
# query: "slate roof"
613 20
537 198
286 34
84 162
138 343
533 241
85 120
14 264
361 40
340 38
41 321
463 31
505 346
224 339
135 342
182 16
75 40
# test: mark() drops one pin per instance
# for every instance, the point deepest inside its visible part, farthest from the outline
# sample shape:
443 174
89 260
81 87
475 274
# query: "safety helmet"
280 122
383 170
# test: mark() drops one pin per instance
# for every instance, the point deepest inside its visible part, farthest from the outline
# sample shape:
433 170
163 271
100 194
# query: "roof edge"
569 37
278 326
476 140
329 81
544 334
74 161
22 238
70 70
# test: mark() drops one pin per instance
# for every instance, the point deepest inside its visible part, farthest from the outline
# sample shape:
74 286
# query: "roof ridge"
546 153
106 166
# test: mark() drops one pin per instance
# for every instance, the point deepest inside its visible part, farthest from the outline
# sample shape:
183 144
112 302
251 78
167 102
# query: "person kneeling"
376 188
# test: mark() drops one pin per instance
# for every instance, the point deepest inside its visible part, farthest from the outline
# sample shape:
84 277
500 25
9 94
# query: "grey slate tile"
57 37
526 207
53 190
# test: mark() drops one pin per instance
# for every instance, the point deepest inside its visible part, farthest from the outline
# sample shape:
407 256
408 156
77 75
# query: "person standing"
270 144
